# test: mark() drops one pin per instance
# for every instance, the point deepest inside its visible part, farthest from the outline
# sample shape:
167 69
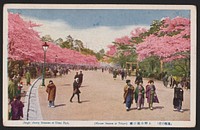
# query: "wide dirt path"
102 99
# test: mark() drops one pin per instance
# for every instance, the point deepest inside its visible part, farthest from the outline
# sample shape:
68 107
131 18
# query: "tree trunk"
161 66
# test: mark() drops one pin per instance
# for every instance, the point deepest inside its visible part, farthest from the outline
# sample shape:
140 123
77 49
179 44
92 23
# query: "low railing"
29 97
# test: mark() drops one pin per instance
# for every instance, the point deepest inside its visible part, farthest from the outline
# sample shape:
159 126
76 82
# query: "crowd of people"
116 72
31 71
131 93
171 81
138 93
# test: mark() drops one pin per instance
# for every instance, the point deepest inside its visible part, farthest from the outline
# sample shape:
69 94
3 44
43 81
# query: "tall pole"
43 74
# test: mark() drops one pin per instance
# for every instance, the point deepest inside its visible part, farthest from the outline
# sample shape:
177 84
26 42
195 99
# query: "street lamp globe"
45 46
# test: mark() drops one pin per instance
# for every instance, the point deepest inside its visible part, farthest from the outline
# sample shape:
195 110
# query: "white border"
193 15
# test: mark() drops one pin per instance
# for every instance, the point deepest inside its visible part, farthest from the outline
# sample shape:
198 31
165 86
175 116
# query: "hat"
150 81
128 81
50 81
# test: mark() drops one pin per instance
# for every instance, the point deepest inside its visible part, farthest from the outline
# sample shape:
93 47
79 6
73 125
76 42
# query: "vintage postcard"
97 65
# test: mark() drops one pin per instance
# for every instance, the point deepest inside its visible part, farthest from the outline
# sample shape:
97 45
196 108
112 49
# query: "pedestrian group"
51 89
131 93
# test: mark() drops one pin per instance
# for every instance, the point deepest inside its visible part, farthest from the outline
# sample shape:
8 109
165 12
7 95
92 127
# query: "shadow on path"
145 108
60 105
132 109
66 85
85 86
158 107
186 110
85 101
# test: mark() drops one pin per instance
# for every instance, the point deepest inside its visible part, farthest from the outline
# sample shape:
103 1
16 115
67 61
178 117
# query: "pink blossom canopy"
24 43
167 47
136 32
123 40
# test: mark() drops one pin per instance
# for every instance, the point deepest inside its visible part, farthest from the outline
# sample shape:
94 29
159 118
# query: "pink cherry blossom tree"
24 43
123 48
171 42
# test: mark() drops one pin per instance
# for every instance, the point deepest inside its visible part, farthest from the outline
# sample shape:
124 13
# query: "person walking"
51 90
80 77
16 108
76 76
178 97
12 89
171 81
151 94
122 74
183 81
165 80
55 71
28 78
139 96
128 94
138 79
115 74
76 90
125 74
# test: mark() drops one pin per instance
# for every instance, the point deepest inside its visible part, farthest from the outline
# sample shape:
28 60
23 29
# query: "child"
20 85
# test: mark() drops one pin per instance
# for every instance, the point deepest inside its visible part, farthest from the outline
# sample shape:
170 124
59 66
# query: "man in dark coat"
115 74
165 80
51 90
80 78
76 90
122 74
55 71
76 76
178 97
16 108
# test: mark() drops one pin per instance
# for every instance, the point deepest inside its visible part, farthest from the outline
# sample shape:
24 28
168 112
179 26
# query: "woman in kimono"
151 94
139 96
128 94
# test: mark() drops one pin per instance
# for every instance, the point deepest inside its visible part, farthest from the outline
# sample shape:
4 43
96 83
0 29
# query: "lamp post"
56 59
45 46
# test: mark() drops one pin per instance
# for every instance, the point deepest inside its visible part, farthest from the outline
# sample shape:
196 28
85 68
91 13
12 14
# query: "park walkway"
102 99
